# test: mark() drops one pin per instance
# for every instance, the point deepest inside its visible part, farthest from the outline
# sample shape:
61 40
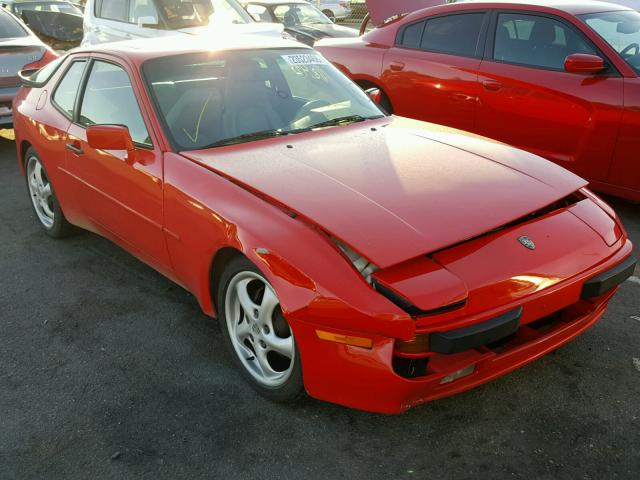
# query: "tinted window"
536 41
113 10
9 28
65 94
412 35
454 34
109 100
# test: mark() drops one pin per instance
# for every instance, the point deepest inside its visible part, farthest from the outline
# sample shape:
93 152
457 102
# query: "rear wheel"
257 333
43 198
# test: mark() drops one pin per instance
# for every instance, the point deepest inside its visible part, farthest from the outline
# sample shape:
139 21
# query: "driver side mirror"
375 94
111 137
147 22
584 63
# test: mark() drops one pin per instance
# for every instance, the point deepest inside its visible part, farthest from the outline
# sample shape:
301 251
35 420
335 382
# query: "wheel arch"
23 146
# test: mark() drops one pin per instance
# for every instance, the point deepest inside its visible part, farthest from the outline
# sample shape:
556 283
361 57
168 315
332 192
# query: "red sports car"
373 261
559 79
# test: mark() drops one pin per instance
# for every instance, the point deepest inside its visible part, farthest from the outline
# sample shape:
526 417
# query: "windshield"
199 13
621 30
9 28
299 13
58 7
214 99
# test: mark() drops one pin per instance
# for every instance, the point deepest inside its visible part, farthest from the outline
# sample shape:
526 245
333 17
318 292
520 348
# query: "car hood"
380 10
319 31
395 189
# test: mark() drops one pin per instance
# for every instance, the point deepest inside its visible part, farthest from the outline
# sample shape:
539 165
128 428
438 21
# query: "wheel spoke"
46 191
243 330
284 346
38 174
245 300
268 305
263 361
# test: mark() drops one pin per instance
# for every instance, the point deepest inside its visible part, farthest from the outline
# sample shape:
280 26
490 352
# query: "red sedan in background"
373 261
559 79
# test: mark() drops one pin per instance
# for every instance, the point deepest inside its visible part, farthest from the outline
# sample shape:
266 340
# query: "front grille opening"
410 367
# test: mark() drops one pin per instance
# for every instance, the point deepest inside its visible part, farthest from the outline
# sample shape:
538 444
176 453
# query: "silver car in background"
117 20
19 49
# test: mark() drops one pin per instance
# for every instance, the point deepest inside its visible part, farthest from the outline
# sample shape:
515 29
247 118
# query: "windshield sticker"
305 59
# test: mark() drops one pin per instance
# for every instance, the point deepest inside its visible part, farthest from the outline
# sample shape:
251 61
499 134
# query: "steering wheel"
628 48
306 116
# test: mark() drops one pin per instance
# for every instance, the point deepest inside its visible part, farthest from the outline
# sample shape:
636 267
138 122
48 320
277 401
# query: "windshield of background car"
199 13
299 13
621 30
217 98
9 28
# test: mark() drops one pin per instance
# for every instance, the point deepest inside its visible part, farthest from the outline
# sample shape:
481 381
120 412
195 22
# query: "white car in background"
118 20
334 9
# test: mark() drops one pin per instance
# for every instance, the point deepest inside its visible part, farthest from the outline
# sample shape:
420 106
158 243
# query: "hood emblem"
527 242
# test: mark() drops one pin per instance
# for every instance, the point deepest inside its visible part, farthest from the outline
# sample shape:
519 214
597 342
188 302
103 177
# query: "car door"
528 99
121 195
431 72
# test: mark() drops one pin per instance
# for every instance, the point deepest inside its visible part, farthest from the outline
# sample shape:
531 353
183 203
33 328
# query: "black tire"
292 388
59 226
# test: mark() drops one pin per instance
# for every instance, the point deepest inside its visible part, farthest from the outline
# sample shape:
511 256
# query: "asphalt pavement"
109 371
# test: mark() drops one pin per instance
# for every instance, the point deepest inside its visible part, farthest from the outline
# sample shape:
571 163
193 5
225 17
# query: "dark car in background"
58 23
19 49
301 20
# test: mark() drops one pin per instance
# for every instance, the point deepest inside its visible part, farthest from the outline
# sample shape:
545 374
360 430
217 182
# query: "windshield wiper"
250 137
342 121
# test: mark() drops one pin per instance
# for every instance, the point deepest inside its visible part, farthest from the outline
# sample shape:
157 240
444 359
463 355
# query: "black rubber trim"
409 307
608 280
476 335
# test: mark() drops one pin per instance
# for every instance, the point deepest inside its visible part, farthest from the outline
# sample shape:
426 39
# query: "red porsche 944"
369 260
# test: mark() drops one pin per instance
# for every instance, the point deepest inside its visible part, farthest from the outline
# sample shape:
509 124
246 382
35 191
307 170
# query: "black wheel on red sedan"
257 334
43 198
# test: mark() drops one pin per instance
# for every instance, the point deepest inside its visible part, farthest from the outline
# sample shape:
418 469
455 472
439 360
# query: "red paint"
395 190
584 121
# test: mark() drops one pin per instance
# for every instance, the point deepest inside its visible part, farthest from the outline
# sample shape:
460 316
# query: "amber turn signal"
419 344
345 339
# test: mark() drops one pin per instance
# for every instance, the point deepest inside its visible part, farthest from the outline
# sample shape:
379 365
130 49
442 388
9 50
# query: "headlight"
361 264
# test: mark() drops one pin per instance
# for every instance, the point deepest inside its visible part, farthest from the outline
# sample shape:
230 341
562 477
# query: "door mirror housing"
111 137
375 94
147 22
584 63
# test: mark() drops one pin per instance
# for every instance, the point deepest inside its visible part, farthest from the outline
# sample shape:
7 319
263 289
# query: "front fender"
205 213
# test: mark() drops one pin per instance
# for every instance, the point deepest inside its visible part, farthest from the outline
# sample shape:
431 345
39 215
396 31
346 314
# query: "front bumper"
366 378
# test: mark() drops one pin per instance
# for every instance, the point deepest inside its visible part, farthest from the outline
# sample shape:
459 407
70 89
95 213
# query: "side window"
412 35
113 10
109 100
65 95
142 9
453 34
536 41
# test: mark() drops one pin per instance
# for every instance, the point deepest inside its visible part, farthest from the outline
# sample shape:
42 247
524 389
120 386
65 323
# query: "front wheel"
257 333
43 198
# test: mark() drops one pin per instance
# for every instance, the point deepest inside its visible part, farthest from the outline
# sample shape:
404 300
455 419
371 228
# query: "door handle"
492 86
75 149
396 66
